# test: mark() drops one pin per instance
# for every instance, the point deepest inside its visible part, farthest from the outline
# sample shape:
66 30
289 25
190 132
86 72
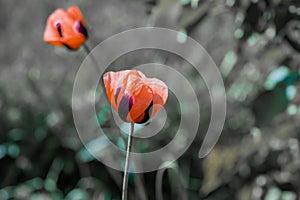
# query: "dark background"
256 46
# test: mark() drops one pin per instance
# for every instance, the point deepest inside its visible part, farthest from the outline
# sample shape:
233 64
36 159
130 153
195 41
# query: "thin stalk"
88 52
95 64
125 177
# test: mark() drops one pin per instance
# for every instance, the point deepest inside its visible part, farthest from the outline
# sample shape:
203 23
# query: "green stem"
125 178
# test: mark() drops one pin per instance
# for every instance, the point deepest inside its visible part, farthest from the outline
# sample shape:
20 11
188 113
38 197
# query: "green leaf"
77 194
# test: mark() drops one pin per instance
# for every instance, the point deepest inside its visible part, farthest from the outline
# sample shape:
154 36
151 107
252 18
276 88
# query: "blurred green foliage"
255 43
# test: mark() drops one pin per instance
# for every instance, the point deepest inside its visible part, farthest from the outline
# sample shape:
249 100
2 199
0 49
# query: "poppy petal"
51 33
71 36
112 81
160 93
125 106
146 115
76 14
117 92
142 95
135 97
81 29
74 42
66 28
123 81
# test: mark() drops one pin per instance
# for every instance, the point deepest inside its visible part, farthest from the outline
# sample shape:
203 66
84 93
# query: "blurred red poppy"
66 28
134 96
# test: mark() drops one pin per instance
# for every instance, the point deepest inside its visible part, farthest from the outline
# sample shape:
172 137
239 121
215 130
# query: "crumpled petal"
160 93
76 14
70 32
134 96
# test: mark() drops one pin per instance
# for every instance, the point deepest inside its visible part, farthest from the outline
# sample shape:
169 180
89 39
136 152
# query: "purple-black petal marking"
147 115
58 26
125 105
81 29
117 93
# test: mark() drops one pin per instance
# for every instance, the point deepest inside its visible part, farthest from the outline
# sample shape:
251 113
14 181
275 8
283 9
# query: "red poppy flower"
66 28
134 96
